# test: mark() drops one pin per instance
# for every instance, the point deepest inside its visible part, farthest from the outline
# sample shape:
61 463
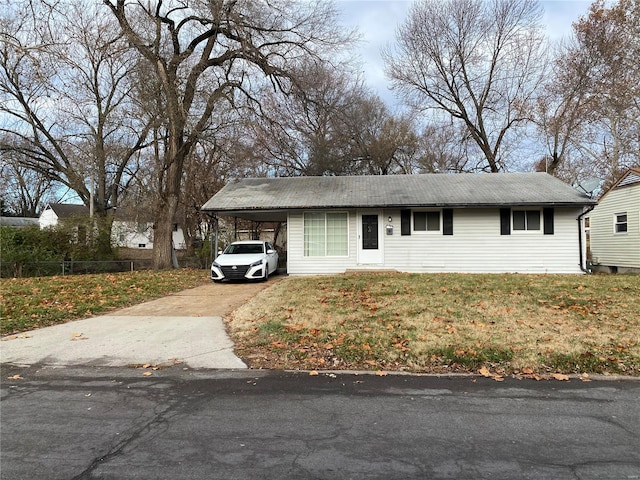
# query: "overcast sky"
377 21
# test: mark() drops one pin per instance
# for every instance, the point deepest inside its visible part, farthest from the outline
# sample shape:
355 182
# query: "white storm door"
370 238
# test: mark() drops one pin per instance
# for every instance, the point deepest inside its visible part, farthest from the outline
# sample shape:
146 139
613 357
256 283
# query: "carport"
256 216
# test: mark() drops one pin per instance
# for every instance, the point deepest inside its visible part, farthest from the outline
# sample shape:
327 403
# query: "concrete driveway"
185 329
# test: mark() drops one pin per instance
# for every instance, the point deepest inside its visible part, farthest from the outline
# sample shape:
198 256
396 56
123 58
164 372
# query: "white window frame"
426 232
526 230
304 241
616 223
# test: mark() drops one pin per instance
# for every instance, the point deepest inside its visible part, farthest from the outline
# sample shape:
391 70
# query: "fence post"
63 268
132 265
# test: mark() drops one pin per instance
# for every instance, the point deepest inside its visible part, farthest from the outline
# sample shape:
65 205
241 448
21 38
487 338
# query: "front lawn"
532 325
29 303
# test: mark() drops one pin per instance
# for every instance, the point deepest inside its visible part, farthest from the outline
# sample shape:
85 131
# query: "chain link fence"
44 269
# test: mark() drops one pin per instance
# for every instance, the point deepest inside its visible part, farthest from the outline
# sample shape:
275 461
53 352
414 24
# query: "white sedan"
248 259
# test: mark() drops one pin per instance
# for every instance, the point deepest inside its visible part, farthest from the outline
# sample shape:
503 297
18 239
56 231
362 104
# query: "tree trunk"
167 208
163 233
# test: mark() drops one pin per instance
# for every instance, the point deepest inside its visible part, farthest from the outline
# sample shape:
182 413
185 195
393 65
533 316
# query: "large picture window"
326 234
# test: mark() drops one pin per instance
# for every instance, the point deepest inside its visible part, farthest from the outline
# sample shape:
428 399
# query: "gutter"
580 231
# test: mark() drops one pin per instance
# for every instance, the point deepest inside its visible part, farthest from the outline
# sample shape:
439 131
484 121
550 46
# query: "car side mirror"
219 252
269 252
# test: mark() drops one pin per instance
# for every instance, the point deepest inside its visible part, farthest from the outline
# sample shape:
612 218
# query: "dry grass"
28 303
445 322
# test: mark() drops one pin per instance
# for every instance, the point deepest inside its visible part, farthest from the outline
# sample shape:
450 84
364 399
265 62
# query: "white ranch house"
125 232
614 226
512 222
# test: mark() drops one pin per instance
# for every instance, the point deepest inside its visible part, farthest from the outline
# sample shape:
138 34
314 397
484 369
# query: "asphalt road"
115 423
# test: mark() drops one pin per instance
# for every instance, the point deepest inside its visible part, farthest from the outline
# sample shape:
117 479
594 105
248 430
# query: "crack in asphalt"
164 410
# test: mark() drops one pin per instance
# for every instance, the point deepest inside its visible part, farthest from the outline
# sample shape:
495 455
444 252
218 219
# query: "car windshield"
244 248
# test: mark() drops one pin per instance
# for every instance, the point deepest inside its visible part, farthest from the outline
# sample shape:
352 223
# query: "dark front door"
369 232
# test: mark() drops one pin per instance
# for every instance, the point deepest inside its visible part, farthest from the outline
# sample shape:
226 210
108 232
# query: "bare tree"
558 115
444 147
65 98
479 62
378 142
204 53
297 133
24 191
589 110
332 125
608 38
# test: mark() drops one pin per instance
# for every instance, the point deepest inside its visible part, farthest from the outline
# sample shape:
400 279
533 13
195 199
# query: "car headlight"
256 264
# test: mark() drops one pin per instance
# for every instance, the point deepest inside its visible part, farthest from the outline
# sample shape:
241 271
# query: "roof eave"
274 208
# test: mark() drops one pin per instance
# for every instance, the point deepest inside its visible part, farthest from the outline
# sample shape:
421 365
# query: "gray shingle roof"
18 221
434 190
66 210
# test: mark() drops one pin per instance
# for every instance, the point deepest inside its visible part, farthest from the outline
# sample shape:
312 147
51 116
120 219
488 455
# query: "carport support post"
216 228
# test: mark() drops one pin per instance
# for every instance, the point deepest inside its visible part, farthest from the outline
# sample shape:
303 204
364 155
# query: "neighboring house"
131 233
54 212
18 222
512 222
125 232
614 226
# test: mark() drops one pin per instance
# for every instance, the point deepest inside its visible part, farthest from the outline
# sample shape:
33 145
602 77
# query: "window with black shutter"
405 222
447 221
505 221
547 214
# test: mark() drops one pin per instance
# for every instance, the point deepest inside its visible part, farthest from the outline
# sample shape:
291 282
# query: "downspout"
580 232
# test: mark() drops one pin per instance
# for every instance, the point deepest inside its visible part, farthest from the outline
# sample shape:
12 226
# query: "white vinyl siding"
609 248
475 247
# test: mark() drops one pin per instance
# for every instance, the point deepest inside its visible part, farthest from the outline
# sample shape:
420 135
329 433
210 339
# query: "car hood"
229 260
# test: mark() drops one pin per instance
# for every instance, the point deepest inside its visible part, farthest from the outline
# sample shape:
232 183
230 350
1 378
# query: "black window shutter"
405 222
505 221
447 221
548 221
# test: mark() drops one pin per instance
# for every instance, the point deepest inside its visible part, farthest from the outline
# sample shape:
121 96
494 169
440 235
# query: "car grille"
235 274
